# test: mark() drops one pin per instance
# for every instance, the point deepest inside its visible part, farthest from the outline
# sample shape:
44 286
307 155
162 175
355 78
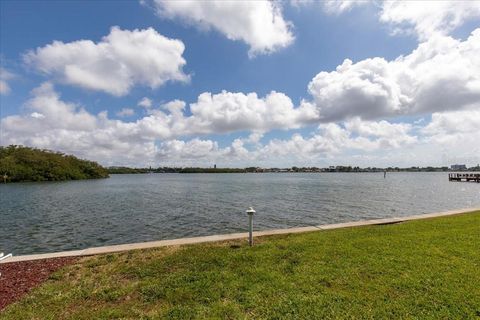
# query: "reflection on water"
45 217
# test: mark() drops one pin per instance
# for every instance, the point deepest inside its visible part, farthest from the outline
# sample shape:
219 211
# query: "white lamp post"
250 213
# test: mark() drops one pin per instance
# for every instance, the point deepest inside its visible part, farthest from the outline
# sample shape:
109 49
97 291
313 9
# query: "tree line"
19 163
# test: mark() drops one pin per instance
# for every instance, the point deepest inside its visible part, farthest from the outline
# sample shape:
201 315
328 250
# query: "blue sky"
340 121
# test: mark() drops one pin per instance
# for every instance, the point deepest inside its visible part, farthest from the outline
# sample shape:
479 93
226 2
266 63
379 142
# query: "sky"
243 83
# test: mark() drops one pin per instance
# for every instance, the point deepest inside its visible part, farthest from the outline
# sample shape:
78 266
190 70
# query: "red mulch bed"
18 278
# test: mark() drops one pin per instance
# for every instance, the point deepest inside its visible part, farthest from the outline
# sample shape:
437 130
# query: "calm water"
46 217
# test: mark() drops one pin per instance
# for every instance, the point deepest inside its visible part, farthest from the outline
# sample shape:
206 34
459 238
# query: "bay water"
55 216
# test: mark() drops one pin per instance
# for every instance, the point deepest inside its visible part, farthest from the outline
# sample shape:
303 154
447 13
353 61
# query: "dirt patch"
18 278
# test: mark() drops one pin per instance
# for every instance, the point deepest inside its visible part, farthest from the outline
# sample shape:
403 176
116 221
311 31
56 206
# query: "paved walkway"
232 236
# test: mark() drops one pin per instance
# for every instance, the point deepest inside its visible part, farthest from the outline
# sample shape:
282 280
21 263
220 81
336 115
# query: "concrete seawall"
232 236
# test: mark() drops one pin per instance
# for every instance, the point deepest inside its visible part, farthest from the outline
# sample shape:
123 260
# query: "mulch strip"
19 278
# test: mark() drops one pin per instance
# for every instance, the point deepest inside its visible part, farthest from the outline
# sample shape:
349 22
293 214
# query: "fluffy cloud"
155 139
224 112
457 130
427 18
114 65
339 6
227 112
145 103
367 88
47 111
421 18
441 74
259 24
333 139
52 123
329 140
5 76
379 134
451 123
126 112
185 151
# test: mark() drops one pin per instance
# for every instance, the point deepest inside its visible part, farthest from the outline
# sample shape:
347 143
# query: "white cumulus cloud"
427 18
422 18
332 139
228 111
155 139
121 60
48 111
453 130
450 123
260 24
50 122
441 74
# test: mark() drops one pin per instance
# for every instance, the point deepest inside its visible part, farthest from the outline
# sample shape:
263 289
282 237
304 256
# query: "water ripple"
45 217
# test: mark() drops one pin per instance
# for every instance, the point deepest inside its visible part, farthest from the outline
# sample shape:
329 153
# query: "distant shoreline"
125 170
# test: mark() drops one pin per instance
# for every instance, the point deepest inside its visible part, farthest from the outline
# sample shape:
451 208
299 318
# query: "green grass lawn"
426 269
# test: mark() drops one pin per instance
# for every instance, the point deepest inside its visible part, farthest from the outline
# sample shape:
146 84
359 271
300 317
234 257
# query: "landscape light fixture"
250 213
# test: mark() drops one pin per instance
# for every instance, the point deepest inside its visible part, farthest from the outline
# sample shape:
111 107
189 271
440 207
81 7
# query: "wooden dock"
466 177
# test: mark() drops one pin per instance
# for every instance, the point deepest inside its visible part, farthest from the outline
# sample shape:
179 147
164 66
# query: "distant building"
458 167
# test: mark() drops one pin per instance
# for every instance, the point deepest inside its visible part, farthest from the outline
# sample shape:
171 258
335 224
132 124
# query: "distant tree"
126 170
211 170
